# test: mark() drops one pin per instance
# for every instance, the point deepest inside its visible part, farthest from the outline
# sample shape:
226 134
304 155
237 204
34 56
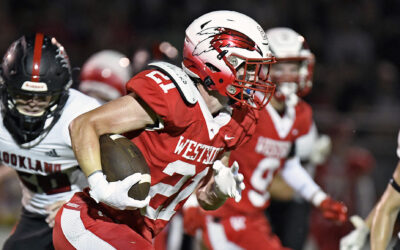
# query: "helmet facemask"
290 47
26 126
291 83
251 76
32 104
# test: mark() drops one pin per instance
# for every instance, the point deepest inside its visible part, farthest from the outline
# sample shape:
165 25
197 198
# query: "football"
121 158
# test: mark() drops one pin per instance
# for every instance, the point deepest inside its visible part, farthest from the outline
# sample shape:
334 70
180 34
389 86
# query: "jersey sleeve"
155 89
304 144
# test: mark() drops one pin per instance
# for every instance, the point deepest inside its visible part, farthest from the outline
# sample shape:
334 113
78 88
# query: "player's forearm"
210 195
298 178
384 218
85 143
370 217
382 229
208 198
386 213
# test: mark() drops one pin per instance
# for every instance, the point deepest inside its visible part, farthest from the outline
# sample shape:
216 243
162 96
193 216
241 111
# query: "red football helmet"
104 75
229 52
289 46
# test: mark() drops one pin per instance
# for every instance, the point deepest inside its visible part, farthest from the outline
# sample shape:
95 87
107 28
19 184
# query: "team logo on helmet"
61 54
219 37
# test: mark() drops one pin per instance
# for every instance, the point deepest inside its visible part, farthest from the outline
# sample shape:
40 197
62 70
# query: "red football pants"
76 228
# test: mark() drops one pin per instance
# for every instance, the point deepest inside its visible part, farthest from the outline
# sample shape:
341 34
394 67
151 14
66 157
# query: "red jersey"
264 155
181 149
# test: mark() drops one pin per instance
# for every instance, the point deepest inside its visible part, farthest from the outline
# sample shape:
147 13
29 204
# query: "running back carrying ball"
121 158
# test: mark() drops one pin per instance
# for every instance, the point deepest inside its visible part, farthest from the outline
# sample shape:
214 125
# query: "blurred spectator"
10 196
387 95
163 51
346 176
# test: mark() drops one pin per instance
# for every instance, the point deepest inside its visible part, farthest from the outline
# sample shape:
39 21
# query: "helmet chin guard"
229 52
286 92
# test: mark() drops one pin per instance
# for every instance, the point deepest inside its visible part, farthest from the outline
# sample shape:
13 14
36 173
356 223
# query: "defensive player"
105 74
37 106
185 121
285 127
381 219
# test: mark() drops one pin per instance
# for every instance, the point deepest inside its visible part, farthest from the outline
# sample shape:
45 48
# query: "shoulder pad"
183 83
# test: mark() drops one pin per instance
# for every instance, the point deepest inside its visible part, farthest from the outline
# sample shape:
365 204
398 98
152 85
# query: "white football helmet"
289 46
105 74
217 44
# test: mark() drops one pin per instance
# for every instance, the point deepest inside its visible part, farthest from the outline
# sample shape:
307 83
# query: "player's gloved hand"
333 210
52 212
228 181
115 193
356 239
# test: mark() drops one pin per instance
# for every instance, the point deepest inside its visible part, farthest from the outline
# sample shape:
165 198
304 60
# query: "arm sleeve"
298 178
304 144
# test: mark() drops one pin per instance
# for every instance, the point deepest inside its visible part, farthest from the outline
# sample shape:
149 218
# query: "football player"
105 74
380 221
37 106
184 121
284 128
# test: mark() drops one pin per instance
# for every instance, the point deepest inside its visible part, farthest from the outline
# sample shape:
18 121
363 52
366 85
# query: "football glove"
333 210
356 239
228 181
115 194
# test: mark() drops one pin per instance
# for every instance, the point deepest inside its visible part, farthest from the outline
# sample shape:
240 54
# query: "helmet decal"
37 55
61 54
219 37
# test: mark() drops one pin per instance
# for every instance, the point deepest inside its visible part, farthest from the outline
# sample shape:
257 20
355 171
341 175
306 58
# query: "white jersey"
48 171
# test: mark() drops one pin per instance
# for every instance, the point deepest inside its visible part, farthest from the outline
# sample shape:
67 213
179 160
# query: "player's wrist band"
95 173
394 184
318 197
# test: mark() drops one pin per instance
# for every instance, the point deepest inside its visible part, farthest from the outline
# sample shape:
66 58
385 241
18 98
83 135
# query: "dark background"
356 89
